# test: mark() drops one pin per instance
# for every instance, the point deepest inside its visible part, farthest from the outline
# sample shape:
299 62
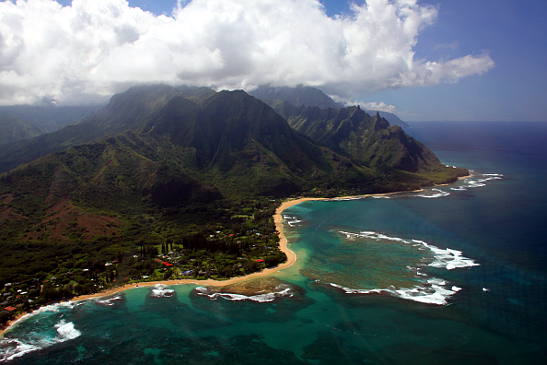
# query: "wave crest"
282 291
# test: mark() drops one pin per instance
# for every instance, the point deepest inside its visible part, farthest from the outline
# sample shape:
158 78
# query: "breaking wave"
291 220
110 301
434 193
443 258
430 290
433 291
283 291
11 348
477 180
161 291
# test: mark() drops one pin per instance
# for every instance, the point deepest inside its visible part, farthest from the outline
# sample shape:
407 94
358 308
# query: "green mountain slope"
230 146
187 175
368 139
297 96
284 99
13 129
126 111
49 118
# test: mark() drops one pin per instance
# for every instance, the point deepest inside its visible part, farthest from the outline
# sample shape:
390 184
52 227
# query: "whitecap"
161 291
67 331
435 193
447 258
373 235
110 301
11 348
283 291
429 293
292 220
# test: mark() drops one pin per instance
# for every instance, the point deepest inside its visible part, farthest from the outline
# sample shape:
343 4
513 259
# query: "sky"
425 60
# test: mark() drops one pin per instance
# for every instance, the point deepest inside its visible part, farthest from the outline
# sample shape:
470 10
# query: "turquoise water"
442 277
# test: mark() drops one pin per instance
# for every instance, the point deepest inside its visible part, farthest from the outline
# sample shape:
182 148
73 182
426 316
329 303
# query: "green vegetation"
168 183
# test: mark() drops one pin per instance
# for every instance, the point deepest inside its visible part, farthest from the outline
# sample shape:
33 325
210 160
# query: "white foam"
432 293
14 348
67 331
373 235
447 258
459 188
291 220
360 291
283 291
110 301
436 281
11 349
161 291
435 193
479 180
475 184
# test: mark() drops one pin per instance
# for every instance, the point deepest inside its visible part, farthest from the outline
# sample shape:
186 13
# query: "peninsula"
181 183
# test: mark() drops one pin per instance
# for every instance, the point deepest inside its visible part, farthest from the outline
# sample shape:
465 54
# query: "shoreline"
283 246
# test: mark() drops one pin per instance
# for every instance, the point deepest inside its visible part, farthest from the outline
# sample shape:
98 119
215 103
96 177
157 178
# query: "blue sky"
511 32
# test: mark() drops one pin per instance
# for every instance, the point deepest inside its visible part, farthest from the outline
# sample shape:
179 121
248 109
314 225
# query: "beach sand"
283 245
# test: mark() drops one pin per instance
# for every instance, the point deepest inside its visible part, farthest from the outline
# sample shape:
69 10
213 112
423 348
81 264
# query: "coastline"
283 246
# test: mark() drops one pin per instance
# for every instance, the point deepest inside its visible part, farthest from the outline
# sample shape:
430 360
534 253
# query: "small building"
10 309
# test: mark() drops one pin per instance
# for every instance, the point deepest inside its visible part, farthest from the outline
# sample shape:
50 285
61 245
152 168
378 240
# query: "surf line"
283 246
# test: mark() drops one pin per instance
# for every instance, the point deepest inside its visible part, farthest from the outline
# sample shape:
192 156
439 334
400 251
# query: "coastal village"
193 257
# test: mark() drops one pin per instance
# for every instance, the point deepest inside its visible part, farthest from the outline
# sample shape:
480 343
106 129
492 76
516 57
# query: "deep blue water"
486 314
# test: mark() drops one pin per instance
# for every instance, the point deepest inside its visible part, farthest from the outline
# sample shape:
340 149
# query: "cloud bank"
376 105
91 49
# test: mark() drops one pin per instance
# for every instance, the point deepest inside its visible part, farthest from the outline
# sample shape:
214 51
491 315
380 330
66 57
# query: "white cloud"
93 48
375 105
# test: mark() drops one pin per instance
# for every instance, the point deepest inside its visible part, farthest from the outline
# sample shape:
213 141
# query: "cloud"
375 105
89 50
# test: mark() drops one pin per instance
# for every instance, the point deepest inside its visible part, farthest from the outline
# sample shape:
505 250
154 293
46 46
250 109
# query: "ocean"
451 275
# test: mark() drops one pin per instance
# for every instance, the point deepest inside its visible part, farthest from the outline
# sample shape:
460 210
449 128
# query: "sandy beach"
283 245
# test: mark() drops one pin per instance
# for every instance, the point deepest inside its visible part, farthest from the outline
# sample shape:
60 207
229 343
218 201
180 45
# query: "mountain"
43 119
157 147
226 146
183 174
297 96
370 140
13 129
283 98
390 117
125 111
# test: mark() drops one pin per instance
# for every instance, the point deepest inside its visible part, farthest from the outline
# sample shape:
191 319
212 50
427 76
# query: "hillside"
13 129
49 118
283 99
186 175
169 147
126 111
297 96
370 140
